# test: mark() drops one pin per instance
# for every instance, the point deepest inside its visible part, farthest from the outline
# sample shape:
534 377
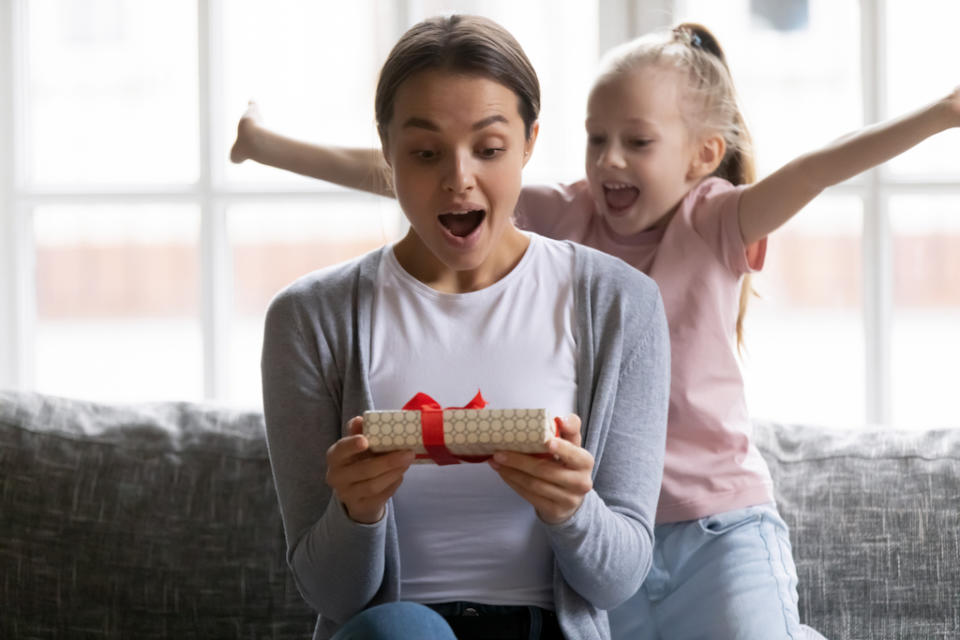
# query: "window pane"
796 64
272 245
804 335
113 91
311 67
922 39
117 311
926 322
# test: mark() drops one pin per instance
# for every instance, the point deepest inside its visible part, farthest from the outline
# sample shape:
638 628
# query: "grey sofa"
160 521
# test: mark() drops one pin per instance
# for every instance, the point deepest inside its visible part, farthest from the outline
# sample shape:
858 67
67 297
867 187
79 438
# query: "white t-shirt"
465 534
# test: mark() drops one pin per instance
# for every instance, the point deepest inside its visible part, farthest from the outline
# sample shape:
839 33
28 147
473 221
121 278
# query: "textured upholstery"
142 521
875 525
160 521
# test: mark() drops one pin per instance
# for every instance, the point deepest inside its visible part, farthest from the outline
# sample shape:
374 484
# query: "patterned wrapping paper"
466 432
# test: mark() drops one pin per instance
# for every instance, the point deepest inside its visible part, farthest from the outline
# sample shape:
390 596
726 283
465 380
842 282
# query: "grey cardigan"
315 364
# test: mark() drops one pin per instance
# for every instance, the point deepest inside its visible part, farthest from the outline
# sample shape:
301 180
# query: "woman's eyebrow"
420 123
423 123
486 122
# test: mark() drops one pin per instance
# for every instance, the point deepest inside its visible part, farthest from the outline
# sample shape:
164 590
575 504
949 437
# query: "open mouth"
462 223
619 195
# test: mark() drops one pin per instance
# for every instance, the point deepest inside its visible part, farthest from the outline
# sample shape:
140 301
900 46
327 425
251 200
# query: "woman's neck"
417 260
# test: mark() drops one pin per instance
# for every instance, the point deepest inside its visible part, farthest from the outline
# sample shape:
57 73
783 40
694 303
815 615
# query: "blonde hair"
710 103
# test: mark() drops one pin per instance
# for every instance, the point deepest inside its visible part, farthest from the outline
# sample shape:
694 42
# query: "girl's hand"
953 100
361 479
555 487
250 121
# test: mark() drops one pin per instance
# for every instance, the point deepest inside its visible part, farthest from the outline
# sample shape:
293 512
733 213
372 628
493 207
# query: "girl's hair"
470 45
709 101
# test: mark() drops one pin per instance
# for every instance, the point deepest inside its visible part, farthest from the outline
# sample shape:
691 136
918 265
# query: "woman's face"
456 145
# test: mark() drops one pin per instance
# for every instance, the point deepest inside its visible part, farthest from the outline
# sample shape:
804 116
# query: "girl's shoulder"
557 210
556 191
709 190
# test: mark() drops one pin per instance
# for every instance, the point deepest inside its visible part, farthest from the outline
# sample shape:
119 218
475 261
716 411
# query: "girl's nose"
459 176
611 156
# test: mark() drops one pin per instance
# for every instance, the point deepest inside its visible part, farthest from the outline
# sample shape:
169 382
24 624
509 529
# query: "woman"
522 546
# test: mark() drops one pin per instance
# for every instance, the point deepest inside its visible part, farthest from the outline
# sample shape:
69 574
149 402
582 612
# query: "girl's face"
456 145
639 151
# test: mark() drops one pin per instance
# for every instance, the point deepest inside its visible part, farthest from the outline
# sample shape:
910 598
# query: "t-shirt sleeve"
713 208
558 211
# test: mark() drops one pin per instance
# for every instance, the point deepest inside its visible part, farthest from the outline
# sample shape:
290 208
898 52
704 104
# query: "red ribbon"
431 427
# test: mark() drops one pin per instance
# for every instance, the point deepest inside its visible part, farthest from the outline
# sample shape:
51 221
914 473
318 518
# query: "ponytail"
738 165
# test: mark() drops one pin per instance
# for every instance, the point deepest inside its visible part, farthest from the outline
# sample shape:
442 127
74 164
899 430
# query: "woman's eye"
491 152
595 140
638 143
425 154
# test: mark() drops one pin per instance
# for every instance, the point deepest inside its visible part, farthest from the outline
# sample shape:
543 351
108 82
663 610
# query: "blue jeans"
726 576
396 621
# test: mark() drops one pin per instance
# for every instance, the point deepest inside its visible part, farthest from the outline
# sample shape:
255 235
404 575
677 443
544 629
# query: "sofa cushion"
875 524
148 520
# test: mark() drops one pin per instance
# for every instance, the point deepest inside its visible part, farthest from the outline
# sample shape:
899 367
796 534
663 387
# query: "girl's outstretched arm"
362 169
769 203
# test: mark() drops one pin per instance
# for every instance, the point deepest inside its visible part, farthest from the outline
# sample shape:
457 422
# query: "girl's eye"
638 143
425 154
491 152
595 140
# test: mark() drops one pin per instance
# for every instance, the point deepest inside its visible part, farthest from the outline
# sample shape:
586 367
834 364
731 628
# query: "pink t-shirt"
698 259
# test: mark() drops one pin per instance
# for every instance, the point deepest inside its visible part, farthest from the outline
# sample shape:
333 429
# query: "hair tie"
689 37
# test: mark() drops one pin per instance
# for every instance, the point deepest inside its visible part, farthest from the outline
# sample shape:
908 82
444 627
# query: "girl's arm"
769 203
362 169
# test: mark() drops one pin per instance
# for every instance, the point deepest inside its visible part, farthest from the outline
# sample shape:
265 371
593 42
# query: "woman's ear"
530 142
707 156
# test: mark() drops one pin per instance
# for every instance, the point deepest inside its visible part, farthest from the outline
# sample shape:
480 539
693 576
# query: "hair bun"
698 36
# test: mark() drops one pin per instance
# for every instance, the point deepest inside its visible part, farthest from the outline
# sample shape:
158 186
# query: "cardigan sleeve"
604 550
303 419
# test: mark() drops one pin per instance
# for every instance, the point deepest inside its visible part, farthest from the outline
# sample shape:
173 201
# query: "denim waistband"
467 609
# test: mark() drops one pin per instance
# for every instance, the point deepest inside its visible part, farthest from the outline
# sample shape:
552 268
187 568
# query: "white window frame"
619 20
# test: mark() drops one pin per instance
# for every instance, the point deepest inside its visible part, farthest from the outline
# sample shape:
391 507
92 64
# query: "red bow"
431 427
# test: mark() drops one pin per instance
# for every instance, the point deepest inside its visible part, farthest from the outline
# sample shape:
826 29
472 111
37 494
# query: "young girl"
521 547
670 189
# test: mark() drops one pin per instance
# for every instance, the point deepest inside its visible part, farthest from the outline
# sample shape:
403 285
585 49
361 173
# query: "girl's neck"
417 260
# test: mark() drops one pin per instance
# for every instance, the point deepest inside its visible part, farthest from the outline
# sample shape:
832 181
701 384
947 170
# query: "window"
140 260
137 262
857 319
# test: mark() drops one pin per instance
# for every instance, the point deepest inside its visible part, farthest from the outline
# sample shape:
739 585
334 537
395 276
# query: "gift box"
458 434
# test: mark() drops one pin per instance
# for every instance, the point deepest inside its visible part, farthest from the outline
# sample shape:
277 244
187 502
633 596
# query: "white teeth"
614 186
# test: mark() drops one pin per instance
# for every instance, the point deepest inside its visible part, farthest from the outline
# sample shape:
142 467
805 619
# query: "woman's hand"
554 486
361 479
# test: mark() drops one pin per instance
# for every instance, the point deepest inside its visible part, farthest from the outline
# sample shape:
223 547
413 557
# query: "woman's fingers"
555 487
363 480
570 429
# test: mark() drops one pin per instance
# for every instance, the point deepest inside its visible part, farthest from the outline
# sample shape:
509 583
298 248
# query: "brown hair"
459 44
711 102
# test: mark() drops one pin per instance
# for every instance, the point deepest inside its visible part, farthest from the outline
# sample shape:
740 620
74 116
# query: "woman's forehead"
465 98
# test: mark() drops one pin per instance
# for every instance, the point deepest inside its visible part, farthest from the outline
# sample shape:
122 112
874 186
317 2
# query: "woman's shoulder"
610 277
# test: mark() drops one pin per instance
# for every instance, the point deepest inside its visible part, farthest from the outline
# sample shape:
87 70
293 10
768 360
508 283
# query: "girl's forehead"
645 90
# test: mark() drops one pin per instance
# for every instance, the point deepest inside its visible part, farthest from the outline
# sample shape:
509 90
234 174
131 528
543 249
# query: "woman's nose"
459 175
